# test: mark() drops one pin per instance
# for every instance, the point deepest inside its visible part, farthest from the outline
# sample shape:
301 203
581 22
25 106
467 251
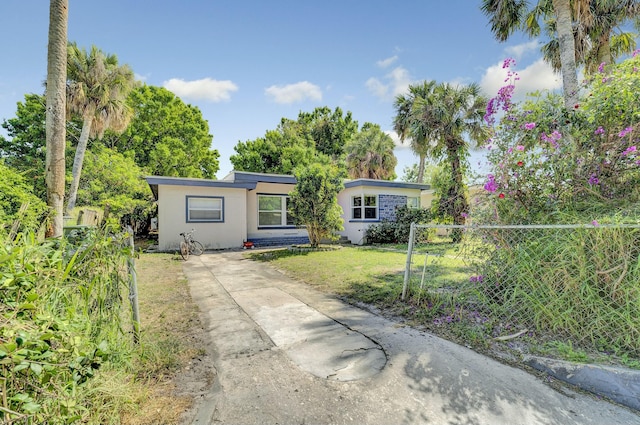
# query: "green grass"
362 274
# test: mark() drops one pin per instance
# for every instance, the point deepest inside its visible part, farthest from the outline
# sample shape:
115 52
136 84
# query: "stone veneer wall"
388 204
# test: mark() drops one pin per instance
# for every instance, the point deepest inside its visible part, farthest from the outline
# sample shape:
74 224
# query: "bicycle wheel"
184 250
196 248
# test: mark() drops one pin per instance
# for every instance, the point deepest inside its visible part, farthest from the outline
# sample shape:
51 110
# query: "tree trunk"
55 121
566 42
421 169
81 149
458 201
604 50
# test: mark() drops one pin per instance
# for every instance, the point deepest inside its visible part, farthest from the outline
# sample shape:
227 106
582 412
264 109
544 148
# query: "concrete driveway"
287 354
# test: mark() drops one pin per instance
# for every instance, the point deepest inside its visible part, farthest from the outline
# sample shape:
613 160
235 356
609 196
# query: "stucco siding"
172 217
388 198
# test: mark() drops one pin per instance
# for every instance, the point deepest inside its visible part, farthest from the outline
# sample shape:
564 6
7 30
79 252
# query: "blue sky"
247 64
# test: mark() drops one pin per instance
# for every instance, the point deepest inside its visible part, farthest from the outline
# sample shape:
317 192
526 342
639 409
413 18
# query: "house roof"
384 183
247 180
155 181
245 176
233 180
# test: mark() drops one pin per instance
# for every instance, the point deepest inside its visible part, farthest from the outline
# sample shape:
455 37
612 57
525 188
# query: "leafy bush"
547 161
14 193
60 321
397 231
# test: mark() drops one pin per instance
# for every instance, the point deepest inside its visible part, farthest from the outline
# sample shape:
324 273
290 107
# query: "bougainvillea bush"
551 165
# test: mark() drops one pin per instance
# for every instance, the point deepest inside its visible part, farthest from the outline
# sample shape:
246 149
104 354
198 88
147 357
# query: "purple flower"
629 150
593 180
508 62
625 131
552 138
595 223
490 185
601 67
530 125
520 147
599 130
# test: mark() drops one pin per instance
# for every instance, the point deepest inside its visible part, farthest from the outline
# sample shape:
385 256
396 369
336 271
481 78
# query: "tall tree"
411 127
597 34
166 136
278 152
370 154
55 115
330 130
25 152
454 114
97 91
507 16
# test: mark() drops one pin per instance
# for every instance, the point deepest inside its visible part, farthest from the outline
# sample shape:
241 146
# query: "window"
273 211
364 207
204 209
413 203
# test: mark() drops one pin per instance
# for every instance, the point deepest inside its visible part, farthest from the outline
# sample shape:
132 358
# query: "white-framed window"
413 202
364 207
273 211
205 209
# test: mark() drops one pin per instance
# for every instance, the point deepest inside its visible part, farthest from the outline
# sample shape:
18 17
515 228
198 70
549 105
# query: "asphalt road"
287 354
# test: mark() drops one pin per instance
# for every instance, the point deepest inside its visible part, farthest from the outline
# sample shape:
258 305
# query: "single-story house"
246 206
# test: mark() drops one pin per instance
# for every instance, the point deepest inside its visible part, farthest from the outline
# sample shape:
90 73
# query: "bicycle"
189 246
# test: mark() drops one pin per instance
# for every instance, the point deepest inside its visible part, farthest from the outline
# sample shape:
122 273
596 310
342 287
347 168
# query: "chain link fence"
545 287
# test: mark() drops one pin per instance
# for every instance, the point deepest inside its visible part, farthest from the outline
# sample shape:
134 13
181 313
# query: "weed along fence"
572 290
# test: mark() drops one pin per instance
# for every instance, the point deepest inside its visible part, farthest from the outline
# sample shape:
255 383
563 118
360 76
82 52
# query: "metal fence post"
407 268
133 288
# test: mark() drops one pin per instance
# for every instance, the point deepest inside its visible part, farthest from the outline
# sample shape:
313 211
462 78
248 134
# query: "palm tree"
454 114
370 154
596 39
413 128
507 16
97 89
55 115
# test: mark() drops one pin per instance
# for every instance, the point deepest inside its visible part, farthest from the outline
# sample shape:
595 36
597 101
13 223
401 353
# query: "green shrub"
61 314
397 231
14 193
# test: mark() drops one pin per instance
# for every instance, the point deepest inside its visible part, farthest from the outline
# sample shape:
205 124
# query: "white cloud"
292 93
537 76
204 89
520 50
394 83
396 140
384 63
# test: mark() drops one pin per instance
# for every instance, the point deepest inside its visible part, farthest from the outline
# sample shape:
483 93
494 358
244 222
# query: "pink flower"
625 131
599 130
630 149
520 147
530 125
595 223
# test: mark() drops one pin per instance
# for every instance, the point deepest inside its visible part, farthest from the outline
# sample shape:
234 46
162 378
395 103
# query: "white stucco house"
252 207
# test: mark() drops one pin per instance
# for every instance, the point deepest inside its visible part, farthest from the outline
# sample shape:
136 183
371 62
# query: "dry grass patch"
171 341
